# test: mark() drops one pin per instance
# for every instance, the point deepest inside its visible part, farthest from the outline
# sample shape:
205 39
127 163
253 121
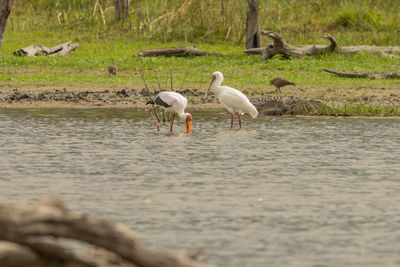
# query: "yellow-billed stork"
175 103
233 100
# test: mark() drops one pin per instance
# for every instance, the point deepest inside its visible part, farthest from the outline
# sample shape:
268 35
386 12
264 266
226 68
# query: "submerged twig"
184 79
170 76
148 92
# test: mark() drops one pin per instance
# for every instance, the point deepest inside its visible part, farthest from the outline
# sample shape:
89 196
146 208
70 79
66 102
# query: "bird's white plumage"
232 99
176 101
236 102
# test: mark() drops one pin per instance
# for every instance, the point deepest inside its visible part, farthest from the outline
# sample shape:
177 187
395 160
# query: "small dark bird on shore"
279 82
112 69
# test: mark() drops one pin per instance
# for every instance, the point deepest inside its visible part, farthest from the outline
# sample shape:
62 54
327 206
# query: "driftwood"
58 50
369 48
253 39
280 46
175 52
25 233
371 75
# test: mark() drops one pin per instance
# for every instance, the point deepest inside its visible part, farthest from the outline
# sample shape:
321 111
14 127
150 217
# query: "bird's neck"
182 115
216 87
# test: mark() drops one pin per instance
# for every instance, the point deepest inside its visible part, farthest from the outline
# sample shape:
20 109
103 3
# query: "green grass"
84 66
355 109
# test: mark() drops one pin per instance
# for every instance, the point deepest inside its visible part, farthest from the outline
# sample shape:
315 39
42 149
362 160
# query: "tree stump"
121 9
5 10
253 39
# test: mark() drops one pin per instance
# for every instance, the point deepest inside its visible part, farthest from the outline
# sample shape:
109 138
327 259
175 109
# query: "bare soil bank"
79 97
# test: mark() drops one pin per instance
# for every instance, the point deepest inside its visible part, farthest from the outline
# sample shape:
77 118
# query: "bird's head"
188 119
217 78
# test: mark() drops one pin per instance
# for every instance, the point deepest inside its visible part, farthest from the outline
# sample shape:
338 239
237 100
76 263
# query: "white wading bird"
175 103
233 100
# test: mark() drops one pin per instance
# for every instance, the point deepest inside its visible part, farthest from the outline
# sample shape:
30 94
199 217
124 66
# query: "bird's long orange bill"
205 96
189 126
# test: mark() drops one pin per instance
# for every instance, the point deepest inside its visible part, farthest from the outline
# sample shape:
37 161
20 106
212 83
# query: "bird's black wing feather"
162 103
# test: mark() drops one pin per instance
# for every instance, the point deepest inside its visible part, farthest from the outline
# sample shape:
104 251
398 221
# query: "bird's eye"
213 77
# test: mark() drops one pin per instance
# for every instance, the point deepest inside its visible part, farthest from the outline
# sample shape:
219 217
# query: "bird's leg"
154 118
172 122
231 120
240 122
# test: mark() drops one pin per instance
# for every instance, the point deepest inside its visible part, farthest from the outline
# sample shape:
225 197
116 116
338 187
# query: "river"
282 191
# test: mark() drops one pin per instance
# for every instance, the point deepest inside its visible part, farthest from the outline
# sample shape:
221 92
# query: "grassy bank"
103 42
86 67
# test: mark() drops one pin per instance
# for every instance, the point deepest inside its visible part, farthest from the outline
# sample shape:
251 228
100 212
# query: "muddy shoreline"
52 97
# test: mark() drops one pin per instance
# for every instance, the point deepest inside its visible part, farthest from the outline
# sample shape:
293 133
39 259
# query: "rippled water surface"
280 192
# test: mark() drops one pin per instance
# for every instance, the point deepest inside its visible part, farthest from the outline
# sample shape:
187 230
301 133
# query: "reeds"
354 109
161 114
355 21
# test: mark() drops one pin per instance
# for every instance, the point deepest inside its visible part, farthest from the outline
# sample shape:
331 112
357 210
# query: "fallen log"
28 228
371 75
369 48
32 50
175 52
280 46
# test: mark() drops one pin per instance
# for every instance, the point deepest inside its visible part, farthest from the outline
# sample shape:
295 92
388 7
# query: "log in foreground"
371 75
25 233
175 52
280 46
58 50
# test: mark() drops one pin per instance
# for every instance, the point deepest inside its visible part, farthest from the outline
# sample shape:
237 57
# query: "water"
280 192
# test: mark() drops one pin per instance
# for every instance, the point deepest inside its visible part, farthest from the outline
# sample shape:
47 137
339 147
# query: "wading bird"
233 100
280 82
175 103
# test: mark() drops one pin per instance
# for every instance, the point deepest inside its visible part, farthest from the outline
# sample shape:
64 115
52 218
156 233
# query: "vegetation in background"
212 25
351 22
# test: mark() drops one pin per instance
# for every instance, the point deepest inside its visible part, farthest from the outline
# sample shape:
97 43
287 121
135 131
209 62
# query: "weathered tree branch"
61 49
26 225
175 52
369 48
371 75
16 255
280 46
